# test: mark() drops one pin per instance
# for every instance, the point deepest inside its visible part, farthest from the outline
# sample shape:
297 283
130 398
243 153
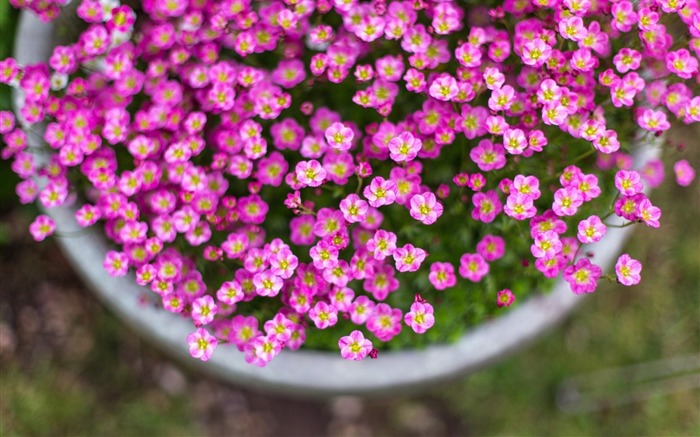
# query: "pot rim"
310 373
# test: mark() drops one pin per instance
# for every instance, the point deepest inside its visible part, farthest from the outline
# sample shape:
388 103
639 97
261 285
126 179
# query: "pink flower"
310 173
473 267
420 318
536 53
42 227
547 245
502 98
566 201
591 230
339 136
404 147
444 87
628 270
491 247
408 258
505 298
583 276
520 206
203 310
323 315
425 208
514 141
261 350
202 344
385 322
116 263
684 173
442 275
354 208
267 284
628 182
380 192
354 346
486 206
682 63
382 244
648 213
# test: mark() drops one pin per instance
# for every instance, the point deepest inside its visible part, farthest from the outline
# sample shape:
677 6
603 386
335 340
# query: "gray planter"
308 373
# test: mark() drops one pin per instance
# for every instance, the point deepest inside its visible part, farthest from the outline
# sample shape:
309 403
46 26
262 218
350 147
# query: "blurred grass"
103 393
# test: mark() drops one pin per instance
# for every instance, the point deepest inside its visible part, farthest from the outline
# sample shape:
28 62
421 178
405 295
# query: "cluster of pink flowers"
207 137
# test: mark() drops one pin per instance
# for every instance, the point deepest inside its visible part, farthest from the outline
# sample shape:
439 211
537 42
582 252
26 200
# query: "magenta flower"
486 206
202 344
380 192
404 147
408 258
547 245
442 275
354 346
116 263
628 270
684 173
505 298
385 322
444 87
354 208
583 276
473 267
420 318
425 208
323 315
491 247
591 230
310 173
339 136
520 206
203 310
648 213
42 227
566 201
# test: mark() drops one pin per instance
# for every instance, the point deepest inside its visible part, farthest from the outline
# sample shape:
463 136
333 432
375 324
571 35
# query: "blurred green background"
69 367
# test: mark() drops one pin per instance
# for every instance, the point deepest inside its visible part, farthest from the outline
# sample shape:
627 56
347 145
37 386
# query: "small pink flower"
310 173
491 247
354 208
566 201
339 136
420 318
547 245
583 276
505 298
42 227
444 87
404 147
648 213
628 270
323 315
442 275
116 263
408 258
684 173
380 192
202 344
425 208
520 206
354 346
591 230
473 267
385 322
203 310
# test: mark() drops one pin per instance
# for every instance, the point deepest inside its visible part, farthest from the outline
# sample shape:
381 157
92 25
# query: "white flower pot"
310 372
